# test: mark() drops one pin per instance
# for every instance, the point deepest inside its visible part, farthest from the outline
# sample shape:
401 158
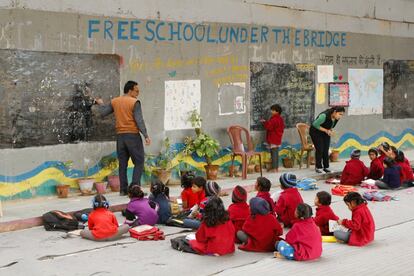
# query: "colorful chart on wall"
181 97
338 94
231 98
325 73
366 90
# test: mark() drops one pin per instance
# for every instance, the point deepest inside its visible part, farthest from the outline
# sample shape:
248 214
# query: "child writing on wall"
239 210
160 195
391 179
376 169
262 187
355 170
361 226
288 200
275 127
304 241
138 210
261 229
324 212
102 223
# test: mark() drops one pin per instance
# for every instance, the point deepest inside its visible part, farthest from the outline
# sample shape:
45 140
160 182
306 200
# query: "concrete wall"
380 29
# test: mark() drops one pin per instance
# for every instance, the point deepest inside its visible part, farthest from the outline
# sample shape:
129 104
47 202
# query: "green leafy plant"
203 145
195 120
292 153
166 155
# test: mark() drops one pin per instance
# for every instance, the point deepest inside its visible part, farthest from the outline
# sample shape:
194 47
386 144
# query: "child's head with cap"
239 194
212 188
259 206
355 154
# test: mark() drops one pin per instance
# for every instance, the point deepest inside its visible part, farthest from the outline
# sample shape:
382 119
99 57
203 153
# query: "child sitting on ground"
324 212
102 223
139 211
303 242
160 195
188 197
376 169
406 173
239 210
361 226
355 170
262 187
288 200
391 179
261 229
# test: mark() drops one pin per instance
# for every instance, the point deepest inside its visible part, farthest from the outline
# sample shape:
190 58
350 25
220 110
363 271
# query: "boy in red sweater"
303 242
275 127
261 229
263 187
361 226
376 169
288 200
239 210
193 192
355 170
324 212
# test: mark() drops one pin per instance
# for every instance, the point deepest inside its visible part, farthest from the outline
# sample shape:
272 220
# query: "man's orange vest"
123 107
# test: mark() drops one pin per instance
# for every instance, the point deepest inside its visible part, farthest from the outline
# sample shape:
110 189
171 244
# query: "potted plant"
204 146
100 187
195 120
111 163
163 161
85 182
62 190
292 155
334 153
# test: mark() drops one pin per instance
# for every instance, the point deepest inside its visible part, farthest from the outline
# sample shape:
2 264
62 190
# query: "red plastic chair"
238 149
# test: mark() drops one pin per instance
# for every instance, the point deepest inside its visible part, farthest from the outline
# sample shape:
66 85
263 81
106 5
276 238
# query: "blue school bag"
306 184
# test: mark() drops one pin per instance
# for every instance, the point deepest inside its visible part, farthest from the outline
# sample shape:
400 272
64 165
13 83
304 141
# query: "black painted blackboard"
290 85
46 98
398 89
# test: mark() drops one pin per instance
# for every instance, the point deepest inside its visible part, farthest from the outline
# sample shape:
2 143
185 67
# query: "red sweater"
239 212
274 130
285 207
102 223
306 239
218 239
266 196
192 198
263 232
362 226
354 172
323 215
406 173
376 170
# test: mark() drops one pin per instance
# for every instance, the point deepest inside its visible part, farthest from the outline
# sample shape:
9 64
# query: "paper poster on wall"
231 98
338 94
181 97
325 73
321 94
366 90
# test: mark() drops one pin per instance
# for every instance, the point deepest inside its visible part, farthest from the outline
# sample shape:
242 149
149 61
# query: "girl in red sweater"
239 210
376 169
303 242
261 229
324 212
275 127
288 200
361 226
262 187
406 173
102 223
355 170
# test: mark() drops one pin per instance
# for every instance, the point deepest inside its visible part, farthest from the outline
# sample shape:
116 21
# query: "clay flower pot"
114 183
62 191
86 185
100 187
211 171
288 163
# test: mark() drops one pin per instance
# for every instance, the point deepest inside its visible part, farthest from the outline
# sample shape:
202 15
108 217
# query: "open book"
190 236
334 226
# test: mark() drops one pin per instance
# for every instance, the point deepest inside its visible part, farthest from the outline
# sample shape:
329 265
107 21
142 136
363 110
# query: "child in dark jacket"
139 211
303 242
160 195
102 223
239 210
275 127
376 169
355 170
324 212
288 200
361 226
406 173
262 187
261 229
391 179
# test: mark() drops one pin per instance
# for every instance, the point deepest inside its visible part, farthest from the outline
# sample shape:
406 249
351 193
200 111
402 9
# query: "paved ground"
37 252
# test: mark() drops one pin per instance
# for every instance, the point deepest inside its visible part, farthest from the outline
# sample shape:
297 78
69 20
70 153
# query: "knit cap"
259 206
288 180
356 153
239 194
212 188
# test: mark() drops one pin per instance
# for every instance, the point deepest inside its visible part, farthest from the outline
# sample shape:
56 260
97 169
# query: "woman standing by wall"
321 132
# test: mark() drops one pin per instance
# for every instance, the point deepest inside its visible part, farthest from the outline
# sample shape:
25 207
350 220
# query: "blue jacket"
392 176
164 211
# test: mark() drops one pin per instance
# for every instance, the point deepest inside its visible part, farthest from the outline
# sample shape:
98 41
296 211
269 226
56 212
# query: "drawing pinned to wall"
366 86
321 94
325 73
338 94
181 97
231 98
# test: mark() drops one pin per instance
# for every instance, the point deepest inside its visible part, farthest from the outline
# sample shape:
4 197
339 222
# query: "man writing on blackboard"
129 123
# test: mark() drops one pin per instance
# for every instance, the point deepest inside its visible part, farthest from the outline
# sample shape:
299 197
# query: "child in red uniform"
361 226
303 242
263 187
324 212
261 229
288 200
376 169
239 210
274 132
190 196
102 223
355 171
406 173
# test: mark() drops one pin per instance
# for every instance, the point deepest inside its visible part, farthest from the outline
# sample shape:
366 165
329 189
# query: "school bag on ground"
343 190
181 244
306 184
146 233
376 196
60 221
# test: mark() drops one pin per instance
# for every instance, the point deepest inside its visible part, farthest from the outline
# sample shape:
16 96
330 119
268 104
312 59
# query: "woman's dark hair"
304 211
276 108
324 198
199 181
373 150
214 212
337 109
399 156
389 162
263 184
354 196
187 179
129 85
135 191
157 187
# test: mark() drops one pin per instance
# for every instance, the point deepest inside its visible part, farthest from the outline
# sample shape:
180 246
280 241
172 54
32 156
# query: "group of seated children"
390 169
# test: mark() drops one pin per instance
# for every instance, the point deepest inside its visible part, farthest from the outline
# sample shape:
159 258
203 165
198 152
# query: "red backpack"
146 233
